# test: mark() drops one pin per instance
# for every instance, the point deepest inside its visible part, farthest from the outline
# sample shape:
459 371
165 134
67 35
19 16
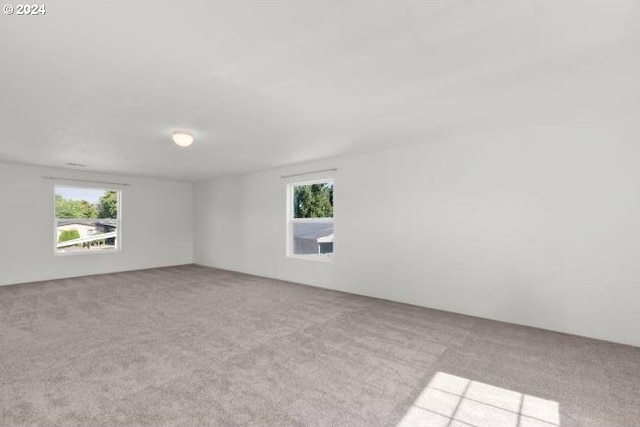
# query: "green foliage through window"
313 200
67 235
106 207
74 208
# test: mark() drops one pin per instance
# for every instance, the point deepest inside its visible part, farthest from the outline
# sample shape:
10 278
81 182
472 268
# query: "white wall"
539 227
156 226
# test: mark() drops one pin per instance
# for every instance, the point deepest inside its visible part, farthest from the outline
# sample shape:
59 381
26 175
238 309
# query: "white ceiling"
266 83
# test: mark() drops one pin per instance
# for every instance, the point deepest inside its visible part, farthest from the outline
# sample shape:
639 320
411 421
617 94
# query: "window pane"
313 238
86 219
313 200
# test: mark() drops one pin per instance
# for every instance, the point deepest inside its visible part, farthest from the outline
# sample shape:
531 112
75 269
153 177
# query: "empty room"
359 213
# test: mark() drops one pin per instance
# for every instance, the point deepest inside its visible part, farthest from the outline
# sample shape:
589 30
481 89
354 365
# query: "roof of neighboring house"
321 232
93 222
326 239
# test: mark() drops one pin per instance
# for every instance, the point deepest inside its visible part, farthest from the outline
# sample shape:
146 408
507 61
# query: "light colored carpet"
194 346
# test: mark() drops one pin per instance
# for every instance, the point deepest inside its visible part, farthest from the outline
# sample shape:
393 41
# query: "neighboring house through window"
87 220
310 231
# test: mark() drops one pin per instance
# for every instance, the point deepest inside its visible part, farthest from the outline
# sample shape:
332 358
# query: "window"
310 220
87 220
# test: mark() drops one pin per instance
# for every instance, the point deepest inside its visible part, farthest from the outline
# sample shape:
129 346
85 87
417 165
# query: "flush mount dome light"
182 138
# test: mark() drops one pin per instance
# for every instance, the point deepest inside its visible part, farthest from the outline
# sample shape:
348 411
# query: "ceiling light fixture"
182 138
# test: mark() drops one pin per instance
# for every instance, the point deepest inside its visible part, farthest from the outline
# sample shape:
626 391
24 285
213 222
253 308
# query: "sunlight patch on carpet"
451 401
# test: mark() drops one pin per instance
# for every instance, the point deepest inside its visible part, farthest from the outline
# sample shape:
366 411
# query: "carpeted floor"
194 346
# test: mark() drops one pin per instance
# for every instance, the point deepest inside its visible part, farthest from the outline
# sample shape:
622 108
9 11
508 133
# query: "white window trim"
115 250
291 220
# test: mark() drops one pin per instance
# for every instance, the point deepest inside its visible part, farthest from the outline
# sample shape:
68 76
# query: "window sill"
320 258
89 252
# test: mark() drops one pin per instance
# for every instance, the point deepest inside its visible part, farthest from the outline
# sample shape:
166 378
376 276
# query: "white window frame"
291 220
118 245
